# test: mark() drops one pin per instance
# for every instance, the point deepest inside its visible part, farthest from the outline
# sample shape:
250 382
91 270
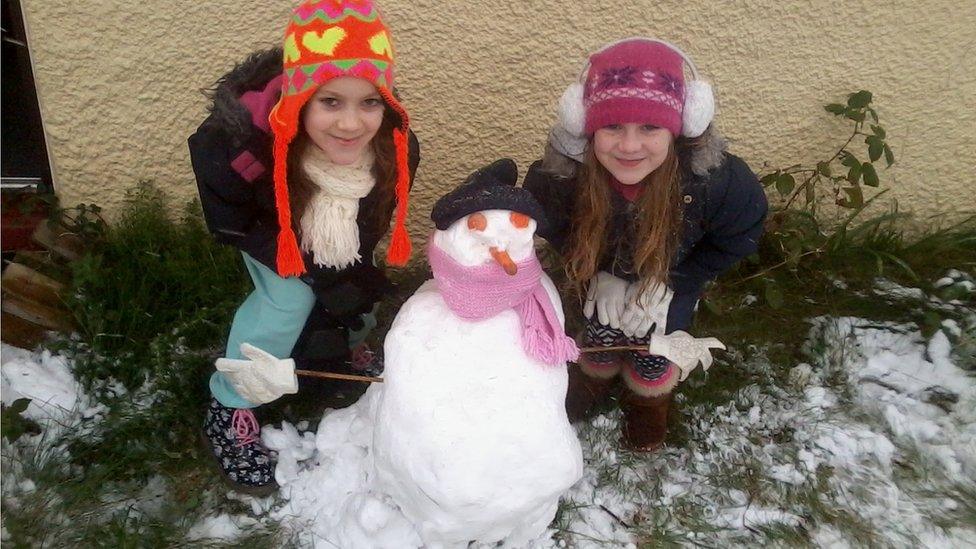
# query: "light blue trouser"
271 319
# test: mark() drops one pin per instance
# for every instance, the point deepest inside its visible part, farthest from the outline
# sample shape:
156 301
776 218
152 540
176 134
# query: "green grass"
154 300
148 276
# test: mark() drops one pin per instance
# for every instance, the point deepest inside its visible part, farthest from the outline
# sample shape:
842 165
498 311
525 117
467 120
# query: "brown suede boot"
645 421
590 384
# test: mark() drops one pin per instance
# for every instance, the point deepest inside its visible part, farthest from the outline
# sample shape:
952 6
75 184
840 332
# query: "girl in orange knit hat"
303 162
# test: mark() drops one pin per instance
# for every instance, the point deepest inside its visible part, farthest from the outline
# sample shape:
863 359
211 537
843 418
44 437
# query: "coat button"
688 199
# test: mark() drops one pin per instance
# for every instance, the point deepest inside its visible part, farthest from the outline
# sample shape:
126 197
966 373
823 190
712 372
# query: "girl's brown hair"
658 229
301 189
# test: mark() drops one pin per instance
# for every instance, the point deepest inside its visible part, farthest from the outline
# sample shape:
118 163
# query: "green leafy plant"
798 230
83 220
844 172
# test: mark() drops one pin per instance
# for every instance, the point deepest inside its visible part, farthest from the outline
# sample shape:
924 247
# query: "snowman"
470 434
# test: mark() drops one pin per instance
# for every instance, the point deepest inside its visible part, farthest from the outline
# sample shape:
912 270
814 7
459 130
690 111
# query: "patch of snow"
885 287
44 378
952 327
221 527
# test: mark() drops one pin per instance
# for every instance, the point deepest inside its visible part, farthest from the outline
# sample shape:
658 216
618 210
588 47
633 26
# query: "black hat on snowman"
489 188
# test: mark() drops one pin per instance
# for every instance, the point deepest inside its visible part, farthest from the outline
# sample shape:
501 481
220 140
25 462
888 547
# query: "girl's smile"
346 141
630 152
629 163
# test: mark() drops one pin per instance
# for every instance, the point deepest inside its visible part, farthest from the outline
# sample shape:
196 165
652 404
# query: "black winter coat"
232 159
724 210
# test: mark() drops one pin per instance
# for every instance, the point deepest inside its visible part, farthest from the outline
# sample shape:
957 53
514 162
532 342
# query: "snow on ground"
858 435
57 403
43 378
871 441
221 527
60 408
878 432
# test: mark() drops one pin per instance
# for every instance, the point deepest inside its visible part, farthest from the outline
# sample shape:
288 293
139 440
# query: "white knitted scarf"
329 228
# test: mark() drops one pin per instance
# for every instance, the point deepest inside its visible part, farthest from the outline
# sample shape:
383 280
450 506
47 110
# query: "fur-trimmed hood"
252 74
707 152
564 152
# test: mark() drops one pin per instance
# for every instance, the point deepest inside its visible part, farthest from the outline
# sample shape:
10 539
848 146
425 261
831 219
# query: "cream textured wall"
119 82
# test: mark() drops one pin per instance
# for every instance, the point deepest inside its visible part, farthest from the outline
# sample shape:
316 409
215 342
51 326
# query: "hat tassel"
400 246
289 257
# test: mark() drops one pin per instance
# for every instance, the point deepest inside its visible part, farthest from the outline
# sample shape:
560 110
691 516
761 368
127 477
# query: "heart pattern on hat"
292 53
380 44
326 42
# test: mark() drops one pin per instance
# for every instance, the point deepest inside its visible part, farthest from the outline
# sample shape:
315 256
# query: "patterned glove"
261 379
606 294
684 350
646 310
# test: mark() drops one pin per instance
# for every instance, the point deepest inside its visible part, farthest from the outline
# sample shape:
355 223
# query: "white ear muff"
572 115
699 109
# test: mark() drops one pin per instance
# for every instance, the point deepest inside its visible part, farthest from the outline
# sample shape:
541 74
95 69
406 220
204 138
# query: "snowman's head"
487 218
481 237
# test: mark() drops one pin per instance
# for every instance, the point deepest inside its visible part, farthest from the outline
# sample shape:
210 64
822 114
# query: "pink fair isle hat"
635 81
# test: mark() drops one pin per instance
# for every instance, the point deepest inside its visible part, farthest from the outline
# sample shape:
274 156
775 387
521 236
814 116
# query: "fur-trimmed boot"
591 383
645 407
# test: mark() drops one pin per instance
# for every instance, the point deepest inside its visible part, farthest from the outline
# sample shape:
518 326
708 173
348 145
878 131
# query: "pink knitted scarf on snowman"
476 293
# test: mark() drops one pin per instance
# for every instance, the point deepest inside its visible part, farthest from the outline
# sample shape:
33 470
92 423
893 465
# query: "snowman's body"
471 437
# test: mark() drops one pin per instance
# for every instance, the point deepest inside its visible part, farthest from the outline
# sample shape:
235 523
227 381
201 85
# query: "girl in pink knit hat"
645 206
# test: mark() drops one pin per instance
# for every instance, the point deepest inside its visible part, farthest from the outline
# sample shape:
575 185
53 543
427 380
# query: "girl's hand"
685 351
646 310
606 295
262 378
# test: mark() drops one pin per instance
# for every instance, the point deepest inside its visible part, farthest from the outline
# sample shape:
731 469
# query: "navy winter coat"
724 210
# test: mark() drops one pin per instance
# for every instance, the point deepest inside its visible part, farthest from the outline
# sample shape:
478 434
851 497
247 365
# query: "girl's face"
342 118
630 152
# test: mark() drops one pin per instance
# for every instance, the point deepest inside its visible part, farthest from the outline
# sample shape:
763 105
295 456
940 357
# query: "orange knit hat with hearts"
325 40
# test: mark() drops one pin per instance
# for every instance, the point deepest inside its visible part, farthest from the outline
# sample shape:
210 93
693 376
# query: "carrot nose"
503 259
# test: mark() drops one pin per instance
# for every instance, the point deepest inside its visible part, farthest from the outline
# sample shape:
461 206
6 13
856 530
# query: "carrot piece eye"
520 220
477 222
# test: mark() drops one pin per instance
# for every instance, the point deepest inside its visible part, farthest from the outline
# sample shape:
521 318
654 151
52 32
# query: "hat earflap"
697 113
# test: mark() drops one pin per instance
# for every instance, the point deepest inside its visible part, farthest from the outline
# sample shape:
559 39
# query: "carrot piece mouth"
502 258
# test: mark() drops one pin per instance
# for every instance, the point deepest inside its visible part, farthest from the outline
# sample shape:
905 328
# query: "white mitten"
684 350
606 295
261 379
645 310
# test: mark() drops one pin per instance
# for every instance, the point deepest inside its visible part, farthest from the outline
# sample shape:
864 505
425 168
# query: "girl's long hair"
301 189
658 228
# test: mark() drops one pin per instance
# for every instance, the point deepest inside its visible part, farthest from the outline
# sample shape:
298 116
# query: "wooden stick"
614 348
344 377
370 379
